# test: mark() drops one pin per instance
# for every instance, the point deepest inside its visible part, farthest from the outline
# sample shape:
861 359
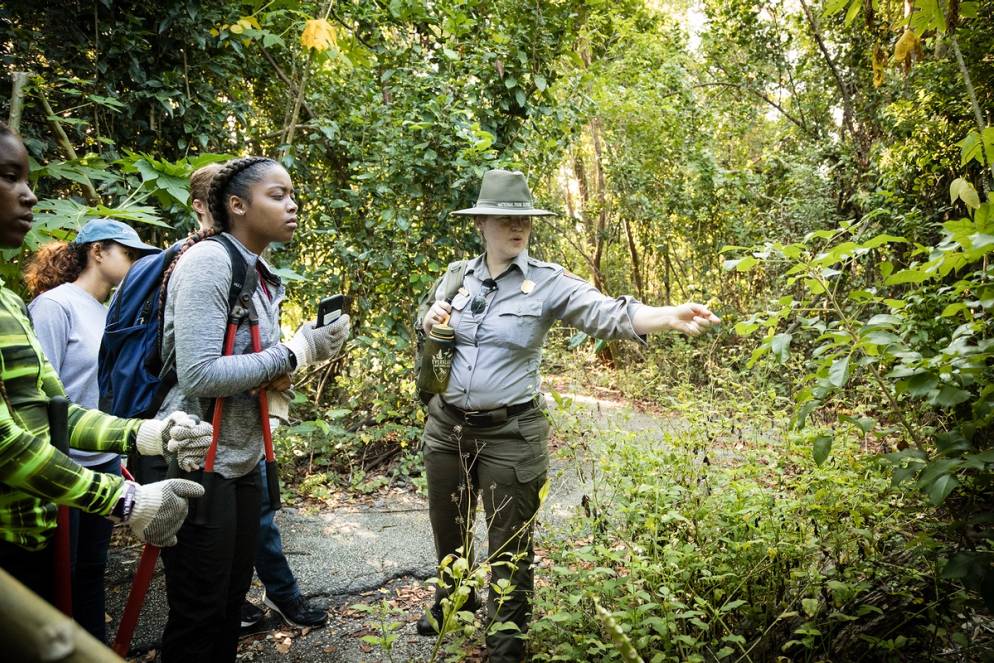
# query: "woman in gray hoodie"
208 573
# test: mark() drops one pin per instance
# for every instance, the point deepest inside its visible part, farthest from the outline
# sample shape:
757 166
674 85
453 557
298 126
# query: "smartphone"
329 310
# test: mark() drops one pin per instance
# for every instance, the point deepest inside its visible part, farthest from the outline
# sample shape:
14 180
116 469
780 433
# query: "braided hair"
235 178
190 241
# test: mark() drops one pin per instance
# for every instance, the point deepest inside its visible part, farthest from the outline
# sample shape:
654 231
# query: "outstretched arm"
691 319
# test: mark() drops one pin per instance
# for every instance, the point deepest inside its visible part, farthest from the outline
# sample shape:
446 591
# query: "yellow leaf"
250 22
906 46
214 32
318 34
236 28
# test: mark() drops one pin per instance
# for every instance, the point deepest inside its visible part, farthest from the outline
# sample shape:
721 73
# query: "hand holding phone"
329 310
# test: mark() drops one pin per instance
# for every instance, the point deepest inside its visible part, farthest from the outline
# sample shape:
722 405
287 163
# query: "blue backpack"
133 381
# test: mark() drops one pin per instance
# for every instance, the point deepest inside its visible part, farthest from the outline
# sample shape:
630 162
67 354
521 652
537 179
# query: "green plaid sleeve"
29 463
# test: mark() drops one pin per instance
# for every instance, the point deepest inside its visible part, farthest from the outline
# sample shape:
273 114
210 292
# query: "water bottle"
436 361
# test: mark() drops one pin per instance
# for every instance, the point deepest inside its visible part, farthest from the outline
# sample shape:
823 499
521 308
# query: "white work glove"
160 509
311 345
437 314
179 434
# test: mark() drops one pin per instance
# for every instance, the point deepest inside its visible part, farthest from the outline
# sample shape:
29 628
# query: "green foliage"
386 616
137 189
726 542
918 336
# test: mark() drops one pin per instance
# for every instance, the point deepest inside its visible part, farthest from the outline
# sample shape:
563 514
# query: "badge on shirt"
527 286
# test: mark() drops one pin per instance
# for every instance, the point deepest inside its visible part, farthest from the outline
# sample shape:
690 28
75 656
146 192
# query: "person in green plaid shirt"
34 476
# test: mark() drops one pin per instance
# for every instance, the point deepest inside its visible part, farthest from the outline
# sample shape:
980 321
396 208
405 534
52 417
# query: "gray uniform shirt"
69 323
196 318
499 349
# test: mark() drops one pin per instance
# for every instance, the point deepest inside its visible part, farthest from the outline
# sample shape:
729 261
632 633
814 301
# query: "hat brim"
503 211
137 245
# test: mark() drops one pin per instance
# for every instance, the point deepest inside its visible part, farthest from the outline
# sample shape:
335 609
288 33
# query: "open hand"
693 319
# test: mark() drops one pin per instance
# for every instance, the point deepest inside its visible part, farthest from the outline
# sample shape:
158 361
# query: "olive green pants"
505 465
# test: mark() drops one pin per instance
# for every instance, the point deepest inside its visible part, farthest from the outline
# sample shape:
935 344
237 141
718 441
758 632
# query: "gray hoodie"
196 318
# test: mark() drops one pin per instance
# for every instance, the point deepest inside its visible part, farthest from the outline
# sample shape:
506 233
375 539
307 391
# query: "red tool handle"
140 584
272 471
267 432
229 346
132 610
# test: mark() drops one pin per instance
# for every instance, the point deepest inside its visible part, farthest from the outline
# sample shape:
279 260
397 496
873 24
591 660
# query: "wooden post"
17 100
32 630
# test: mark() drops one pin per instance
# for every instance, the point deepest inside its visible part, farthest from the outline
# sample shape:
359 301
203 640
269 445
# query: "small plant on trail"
386 616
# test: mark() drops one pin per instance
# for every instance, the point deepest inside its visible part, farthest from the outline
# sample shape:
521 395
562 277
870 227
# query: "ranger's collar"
520 261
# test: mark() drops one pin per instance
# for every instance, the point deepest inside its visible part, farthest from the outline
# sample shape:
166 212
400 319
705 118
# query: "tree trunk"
17 100
600 232
666 277
636 269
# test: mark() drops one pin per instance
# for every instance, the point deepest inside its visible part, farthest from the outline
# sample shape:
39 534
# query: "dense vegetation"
819 172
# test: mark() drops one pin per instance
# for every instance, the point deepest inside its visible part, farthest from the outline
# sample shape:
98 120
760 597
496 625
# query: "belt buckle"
469 414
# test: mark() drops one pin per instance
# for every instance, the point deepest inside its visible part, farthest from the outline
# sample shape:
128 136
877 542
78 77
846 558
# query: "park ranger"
486 435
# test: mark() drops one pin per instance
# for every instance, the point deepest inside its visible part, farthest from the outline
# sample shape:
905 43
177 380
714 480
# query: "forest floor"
376 548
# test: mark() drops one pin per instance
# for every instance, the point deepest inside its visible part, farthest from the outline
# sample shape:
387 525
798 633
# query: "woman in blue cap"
70 282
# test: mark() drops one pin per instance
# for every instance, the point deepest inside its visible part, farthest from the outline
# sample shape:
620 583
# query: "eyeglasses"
480 300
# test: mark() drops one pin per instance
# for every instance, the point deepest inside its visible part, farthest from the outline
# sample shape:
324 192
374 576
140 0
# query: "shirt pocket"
459 309
520 323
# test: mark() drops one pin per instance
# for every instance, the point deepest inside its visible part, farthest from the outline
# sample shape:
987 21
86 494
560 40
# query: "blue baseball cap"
102 230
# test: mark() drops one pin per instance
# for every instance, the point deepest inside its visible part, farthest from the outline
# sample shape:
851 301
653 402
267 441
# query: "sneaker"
298 612
251 615
424 626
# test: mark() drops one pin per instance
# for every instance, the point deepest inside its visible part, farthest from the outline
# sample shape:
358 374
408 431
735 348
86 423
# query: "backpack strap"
454 277
242 278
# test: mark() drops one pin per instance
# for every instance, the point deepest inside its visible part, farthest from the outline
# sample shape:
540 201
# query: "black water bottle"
436 362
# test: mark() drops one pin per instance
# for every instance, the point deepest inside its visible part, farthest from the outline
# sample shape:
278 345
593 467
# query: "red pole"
136 599
272 471
140 584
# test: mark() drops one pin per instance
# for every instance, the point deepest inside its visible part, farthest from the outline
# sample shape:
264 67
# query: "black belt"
483 418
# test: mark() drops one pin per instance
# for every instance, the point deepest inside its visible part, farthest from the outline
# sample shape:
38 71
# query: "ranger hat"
504 193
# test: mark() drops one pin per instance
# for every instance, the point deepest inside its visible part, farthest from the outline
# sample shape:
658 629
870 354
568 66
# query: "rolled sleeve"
581 305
